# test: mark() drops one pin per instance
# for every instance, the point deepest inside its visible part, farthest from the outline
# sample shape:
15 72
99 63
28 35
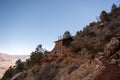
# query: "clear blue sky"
26 23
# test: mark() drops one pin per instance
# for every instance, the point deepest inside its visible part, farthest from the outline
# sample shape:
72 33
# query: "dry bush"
94 36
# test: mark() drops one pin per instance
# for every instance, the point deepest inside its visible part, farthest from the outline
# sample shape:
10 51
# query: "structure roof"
63 39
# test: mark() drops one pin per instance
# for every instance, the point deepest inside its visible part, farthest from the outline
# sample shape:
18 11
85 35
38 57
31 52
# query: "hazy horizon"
26 23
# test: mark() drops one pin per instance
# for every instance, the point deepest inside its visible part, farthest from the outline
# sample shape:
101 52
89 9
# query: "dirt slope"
111 72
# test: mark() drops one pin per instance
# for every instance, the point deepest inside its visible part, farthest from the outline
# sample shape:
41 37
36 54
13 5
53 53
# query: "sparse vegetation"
35 58
97 34
104 17
19 65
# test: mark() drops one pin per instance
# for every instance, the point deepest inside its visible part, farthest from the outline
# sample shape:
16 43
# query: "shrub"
104 17
8 74
19 66
35 58
93 38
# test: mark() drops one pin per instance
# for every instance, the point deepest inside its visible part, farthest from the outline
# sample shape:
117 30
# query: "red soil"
111 72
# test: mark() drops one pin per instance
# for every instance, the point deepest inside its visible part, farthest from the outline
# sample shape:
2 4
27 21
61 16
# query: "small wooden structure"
62 44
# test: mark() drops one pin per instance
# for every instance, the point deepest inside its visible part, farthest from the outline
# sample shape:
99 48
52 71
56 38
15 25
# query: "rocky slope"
71 66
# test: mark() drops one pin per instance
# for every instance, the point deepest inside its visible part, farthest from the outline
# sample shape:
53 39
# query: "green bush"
35 58
104 17
19 66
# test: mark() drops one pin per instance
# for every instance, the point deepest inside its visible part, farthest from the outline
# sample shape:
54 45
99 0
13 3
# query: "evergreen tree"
19 65
67 34
114 7
35 58
104 16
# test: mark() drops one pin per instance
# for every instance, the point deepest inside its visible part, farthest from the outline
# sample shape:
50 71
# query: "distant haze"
9 60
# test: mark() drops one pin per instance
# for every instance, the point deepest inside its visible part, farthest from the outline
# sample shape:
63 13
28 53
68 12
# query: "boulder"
115 56
113 61
111 47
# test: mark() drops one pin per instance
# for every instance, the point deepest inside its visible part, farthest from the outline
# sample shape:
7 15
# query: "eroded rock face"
115 56
111 47
87 71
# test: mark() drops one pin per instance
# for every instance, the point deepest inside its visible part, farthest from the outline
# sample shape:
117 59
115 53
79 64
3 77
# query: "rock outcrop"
111 47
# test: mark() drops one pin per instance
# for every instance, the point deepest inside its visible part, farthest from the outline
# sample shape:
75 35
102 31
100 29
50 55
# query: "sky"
26 23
